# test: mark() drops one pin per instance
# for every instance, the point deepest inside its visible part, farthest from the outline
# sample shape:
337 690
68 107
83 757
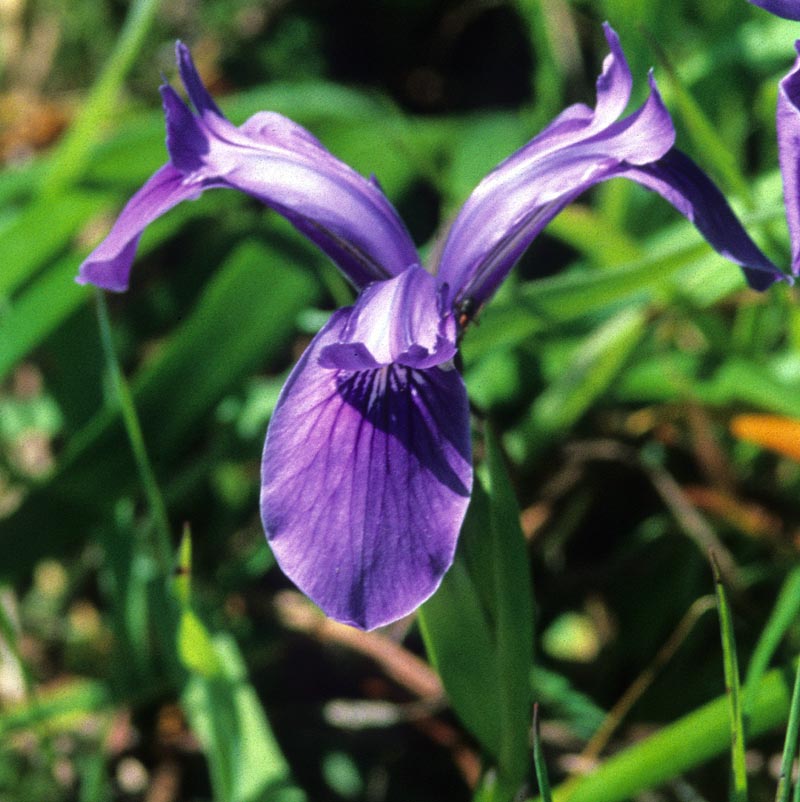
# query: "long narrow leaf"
738 792
790 746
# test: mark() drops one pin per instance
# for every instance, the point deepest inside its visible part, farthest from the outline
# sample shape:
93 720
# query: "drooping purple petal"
281 164
366 478
789 9
400 321
109 265
519 197
680 181
788 125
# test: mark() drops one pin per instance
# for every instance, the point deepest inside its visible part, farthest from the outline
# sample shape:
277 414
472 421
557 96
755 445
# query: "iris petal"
400 320
109 265
276 161
789 9
518 198
366 478
680 181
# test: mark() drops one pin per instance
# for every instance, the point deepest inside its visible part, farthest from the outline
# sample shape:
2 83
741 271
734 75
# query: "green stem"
738 791
73 153
790 746
162 542
538 759
783 615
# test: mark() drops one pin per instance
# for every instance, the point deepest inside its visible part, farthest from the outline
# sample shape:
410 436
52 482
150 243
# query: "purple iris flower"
790 9
788 127
367 467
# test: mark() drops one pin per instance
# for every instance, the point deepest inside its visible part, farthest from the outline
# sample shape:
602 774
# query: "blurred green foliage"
604 378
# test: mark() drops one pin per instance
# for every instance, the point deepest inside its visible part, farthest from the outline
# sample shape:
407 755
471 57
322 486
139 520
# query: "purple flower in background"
788 127
790 9
367 468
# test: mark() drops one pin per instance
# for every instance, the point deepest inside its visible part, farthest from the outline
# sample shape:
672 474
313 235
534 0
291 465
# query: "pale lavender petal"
790 9
366 478
109 265
680 181
519 197
401 321
788 124
285 167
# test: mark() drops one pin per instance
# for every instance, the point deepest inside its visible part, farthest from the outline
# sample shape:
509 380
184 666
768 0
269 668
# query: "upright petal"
366 478
680 181
519 197
789 9
281 164
788 124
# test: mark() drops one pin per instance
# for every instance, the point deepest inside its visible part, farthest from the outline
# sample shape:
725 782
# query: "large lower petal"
366 478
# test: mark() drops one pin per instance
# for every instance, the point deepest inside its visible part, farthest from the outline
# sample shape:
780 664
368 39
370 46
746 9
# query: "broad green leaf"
195 646
41 233
578 225
513 617
37 311
478 627
226 714
459 633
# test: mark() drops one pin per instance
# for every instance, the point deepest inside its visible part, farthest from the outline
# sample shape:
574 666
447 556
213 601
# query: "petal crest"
401 321
366 478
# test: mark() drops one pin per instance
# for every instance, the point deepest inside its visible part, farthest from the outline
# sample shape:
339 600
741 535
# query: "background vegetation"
614 381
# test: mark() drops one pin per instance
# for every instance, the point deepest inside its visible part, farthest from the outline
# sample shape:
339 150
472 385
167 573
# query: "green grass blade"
74 151
738 791
790 746
587 375
783 615
514 617
162 547
538 760
679 747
